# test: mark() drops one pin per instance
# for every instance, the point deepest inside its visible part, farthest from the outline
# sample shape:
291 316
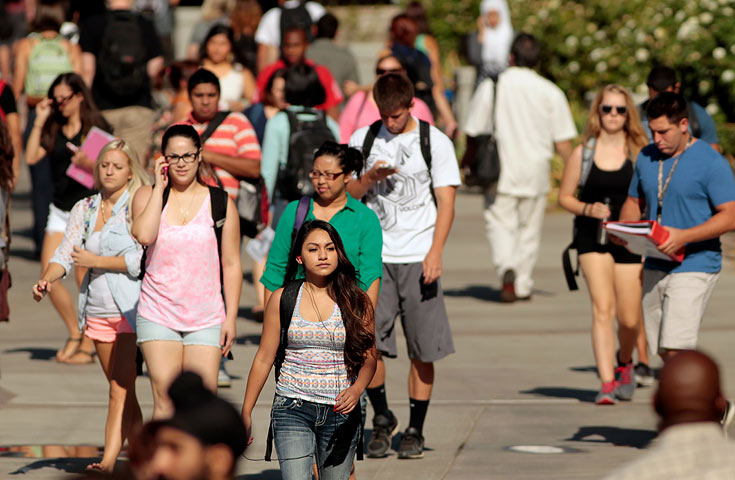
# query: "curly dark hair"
357 309
6 158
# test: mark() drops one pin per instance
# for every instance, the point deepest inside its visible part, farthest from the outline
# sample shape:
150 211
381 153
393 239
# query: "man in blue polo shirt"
688 187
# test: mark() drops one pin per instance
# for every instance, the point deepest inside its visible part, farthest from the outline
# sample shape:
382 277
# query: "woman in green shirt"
357 225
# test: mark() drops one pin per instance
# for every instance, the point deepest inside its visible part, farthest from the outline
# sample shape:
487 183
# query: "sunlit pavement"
513 402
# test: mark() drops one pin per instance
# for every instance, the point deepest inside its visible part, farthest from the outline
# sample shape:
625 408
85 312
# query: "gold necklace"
186 212
102 212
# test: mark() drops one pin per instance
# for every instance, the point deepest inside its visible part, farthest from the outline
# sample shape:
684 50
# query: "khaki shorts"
673 307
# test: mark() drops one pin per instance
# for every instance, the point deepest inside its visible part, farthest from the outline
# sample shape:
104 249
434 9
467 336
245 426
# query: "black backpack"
121 61
296 17
418 69
307 135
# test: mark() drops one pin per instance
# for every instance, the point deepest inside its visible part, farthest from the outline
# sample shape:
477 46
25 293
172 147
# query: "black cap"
204 415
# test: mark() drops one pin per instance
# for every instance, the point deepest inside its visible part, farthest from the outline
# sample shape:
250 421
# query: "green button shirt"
357 225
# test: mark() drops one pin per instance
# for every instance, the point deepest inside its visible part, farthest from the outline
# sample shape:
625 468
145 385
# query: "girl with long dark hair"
183 322
328 361
64 119
237 83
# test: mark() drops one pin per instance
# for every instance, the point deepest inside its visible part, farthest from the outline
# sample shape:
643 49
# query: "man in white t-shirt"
410 180
532 119
268 34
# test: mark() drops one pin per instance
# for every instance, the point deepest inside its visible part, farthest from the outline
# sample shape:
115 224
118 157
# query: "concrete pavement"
523 375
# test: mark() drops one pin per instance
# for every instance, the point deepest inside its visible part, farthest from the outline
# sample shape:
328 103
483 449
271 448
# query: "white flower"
572 42
642 55
642 88
688 29
573 67
623 33
660 33
727 11
704 87
640 36
695 56
600 35
596 54
719 53
630 24
601 67
706 18
543 14
727 76
712 109
680 16
586 41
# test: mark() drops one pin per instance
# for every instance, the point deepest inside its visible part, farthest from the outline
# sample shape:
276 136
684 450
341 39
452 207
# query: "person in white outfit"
532 119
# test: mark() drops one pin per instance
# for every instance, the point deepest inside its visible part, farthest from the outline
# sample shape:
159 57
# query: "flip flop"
81 357
60 357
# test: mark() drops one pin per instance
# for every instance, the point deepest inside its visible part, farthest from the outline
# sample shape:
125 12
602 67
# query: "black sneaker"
412 444
384 427
644 375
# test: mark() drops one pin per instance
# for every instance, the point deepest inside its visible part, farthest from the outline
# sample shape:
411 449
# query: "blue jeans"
306 432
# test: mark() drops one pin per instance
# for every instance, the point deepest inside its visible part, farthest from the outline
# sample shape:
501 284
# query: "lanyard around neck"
663 186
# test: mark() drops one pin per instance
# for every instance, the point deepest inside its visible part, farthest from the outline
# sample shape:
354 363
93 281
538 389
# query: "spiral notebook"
93 144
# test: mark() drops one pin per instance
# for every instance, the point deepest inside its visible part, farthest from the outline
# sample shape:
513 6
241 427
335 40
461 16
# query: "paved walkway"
523 374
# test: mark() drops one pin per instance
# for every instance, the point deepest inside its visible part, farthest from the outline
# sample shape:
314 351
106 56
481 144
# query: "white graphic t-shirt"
404 201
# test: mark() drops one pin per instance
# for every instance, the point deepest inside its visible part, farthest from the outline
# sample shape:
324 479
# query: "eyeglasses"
173 159
383 71
59 102
327 175
622 110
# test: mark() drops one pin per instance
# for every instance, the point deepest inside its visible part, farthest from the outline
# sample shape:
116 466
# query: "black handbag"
482 161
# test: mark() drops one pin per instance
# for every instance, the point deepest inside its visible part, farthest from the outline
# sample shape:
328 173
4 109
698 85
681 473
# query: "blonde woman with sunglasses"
613 139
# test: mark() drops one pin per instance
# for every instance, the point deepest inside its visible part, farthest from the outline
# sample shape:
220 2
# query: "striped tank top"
314 367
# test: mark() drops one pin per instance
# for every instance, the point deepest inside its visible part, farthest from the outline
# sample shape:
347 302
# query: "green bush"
589 43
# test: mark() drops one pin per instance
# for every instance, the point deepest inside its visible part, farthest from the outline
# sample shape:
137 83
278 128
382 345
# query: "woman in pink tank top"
183 322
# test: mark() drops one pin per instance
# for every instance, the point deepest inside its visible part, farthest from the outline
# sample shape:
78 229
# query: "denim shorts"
306 432
148 331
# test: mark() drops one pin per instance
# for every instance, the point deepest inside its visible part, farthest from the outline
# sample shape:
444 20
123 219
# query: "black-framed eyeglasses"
622 110
328 175
383 71
173 159
59 102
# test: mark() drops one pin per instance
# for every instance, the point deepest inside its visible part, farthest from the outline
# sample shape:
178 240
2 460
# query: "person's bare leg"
598 269
628 305
379 377
5 64
164 359
204 361
420 380
642 344
61 300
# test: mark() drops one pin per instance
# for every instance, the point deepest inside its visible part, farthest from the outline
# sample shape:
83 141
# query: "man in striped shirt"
232 148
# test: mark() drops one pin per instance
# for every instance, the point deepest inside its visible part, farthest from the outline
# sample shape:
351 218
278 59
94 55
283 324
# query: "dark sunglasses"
60 101
609 108
383 71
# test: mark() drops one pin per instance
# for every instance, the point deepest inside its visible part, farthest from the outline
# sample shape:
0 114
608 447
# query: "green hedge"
589 43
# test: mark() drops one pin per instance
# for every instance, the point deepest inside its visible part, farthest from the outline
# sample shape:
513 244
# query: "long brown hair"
636 137
89 114
6 158
356 307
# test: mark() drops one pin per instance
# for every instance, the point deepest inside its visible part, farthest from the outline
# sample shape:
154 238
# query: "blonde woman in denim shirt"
98 238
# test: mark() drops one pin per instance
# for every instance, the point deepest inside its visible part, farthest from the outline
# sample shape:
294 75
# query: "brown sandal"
60 357
80 357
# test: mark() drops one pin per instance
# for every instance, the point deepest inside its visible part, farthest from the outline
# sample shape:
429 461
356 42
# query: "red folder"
643 238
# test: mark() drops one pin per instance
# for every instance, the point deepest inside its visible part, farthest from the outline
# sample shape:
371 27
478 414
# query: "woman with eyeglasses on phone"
327 362
183 321
62 121
98 238
614 138
361 109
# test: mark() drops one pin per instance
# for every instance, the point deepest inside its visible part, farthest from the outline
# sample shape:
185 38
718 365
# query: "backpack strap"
370 136
286 307
166 193
588 158
218 204
213 124
694 120
301 212
425 141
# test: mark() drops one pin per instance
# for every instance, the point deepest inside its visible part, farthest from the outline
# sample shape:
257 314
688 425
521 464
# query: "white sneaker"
223 379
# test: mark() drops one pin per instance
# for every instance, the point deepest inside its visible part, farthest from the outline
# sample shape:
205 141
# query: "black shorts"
585 242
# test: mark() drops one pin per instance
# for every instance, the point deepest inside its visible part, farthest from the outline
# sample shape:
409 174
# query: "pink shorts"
107 329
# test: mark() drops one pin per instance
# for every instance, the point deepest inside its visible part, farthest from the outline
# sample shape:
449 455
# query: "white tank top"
231 86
